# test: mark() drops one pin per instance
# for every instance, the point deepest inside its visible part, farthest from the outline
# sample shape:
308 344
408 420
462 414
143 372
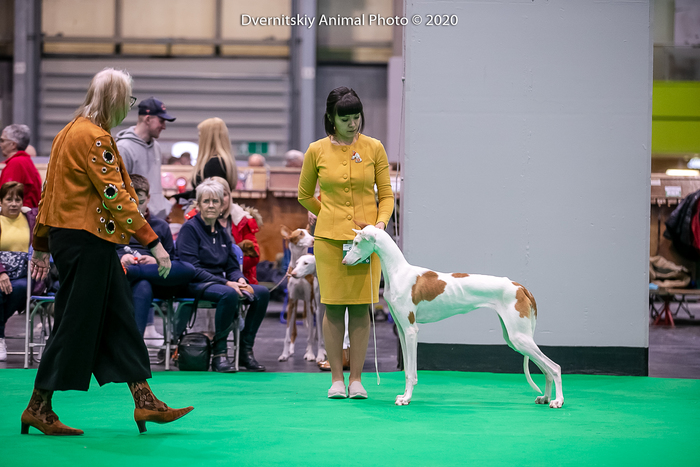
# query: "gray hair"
210 187
19 134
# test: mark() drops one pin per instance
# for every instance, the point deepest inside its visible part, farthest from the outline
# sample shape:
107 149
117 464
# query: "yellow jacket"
347 176
87 188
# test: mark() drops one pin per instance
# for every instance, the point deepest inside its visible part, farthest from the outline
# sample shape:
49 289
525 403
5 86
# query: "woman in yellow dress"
347 165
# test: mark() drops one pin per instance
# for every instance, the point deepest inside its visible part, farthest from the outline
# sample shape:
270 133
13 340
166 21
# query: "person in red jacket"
19 166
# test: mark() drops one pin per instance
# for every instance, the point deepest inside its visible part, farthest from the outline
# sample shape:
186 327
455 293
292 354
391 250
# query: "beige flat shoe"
337 390
357 391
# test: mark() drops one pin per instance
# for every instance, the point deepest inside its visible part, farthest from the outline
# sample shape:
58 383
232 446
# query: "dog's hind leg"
524 343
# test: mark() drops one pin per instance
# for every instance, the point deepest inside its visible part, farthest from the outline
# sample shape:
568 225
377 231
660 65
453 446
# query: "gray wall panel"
251 96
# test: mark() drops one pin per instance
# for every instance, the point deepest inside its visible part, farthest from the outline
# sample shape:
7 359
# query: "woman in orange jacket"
88 205
347 165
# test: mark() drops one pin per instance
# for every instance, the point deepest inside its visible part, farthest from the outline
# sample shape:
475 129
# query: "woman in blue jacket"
208 246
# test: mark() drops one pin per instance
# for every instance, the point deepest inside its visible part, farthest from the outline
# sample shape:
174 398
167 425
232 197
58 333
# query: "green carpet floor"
285 419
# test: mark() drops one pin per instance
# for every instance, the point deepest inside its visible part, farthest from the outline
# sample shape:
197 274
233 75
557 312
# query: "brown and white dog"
418 295
305 289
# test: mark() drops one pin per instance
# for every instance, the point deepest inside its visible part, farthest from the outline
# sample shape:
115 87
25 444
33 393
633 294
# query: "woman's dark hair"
342 101
12 188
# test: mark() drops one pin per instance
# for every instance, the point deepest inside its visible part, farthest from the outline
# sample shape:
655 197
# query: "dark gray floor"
268 345
673 352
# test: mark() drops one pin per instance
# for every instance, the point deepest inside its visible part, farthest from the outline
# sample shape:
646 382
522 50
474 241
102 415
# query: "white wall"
528 129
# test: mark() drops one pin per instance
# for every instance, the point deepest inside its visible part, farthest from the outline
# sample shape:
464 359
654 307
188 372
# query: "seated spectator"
293 158
256 160
15 237
206 245
18 164
243 223
142 271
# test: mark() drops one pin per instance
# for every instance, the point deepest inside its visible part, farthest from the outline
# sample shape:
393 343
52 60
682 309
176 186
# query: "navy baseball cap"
153 106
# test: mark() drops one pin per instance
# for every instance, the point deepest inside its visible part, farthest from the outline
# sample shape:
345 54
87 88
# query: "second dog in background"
302 288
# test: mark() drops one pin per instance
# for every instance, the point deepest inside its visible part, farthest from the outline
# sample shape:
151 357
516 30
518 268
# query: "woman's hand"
145 259
235 286
40 265
240 286
127 260
162 258
5 284
245 286
380 225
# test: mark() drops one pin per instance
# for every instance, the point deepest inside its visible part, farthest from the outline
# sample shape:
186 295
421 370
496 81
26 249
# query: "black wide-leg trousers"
94 327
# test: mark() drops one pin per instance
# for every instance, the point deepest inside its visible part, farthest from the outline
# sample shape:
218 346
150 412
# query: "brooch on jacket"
356 157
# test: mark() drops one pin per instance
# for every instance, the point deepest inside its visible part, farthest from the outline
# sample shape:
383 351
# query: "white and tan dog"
418 295
301 288
306 269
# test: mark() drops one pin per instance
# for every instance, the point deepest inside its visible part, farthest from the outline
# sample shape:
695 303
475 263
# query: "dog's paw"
401 399
309 356
556 404
283 358
542 400
320 357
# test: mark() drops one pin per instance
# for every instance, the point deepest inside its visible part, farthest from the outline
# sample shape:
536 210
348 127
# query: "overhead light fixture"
683 172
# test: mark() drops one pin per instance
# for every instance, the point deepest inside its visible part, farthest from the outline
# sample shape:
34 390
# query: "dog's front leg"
410 349
290 334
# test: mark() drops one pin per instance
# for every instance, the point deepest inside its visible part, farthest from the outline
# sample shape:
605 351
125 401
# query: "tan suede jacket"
87 188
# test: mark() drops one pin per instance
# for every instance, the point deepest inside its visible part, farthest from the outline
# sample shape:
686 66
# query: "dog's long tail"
526 369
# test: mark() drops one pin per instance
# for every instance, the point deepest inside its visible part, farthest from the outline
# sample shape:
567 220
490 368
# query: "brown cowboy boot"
150 409
41 416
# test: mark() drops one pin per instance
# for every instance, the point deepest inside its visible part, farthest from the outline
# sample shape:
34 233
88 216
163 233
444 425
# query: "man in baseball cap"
141 152
155 108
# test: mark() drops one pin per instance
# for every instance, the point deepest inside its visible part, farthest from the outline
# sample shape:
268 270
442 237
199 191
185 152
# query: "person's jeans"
14 301
147 283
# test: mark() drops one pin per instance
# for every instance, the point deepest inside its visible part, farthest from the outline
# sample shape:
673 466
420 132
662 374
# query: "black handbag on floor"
194 352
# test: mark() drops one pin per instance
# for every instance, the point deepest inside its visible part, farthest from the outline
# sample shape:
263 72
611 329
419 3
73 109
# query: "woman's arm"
307 183
382 178
109 183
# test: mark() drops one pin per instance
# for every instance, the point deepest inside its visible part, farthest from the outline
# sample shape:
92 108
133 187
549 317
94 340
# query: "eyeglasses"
132 101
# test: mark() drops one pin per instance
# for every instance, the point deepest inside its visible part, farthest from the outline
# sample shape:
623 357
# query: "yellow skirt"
341 284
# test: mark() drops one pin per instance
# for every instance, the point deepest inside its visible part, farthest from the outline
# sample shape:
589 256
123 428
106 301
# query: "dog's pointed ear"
284 230
357 232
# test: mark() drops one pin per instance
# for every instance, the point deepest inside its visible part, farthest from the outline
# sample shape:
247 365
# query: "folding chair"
41 308
157 305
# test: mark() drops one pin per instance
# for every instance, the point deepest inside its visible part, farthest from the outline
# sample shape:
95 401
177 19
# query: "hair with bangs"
214 141
342 101
210 187
11 188
107 100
